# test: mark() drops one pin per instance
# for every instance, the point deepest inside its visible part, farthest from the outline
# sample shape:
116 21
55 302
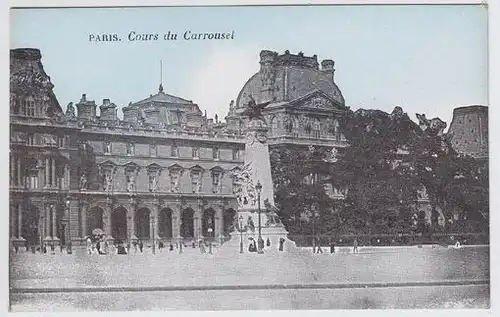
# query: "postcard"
304 157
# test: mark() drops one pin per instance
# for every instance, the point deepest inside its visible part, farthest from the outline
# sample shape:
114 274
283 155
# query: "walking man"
355 248
318 242
332 246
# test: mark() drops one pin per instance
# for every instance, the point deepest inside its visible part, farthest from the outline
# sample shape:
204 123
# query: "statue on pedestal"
254 110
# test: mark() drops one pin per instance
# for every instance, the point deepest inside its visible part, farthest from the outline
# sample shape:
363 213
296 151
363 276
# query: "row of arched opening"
143 228
29 228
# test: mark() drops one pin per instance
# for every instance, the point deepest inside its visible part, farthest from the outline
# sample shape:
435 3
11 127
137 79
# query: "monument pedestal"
255 192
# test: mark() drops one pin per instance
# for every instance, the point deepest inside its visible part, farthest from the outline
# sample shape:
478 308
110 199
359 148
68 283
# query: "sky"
426 59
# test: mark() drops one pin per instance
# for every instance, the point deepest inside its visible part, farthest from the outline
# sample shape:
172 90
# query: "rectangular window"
107 147
195 182
174 151
130 149
33 179
196 153
215 183
337 134
152 150
31 139
215 153
60 141
29 108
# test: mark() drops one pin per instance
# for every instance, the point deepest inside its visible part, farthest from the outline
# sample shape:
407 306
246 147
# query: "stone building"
469 130
164 171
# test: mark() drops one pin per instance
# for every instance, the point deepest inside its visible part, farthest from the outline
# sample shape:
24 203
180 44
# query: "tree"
299 188
380 181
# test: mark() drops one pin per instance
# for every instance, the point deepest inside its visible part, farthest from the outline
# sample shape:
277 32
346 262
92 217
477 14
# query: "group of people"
99 245
318 249
44 248
252 246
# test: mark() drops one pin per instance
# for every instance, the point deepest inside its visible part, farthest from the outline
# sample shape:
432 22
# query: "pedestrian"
332 246
141 245
193 245
180 247
121 249
89 245
268 242
128 247
282 241
44 249
171 247
98 247
210 247
250 246
160 245
355 248
318 242
202 246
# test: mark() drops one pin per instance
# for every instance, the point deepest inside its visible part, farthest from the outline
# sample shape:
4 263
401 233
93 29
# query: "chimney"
327 68
86 109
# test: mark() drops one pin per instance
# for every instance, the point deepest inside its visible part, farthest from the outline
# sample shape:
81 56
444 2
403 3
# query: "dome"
284 78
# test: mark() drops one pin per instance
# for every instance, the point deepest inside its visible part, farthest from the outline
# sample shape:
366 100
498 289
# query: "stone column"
12 170
13 221
54 181
47 172
65 182
176 217
83 218
106 221
20 220
41 225
48 222
131 221
154 223
19 174
54 223
197 225
219 220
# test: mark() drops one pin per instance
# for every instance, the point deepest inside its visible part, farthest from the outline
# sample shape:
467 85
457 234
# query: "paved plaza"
357 278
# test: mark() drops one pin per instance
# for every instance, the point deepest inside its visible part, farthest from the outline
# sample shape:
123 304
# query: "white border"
494 53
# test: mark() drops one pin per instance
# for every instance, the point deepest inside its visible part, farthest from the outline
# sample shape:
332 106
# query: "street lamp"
241 234
153 229
260 243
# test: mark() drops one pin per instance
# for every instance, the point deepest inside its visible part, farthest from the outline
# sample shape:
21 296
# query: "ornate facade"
164 171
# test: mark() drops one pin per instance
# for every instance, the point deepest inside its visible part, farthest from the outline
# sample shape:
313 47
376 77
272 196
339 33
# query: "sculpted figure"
254 110
70 111
83 181
154 184
131 183
109 181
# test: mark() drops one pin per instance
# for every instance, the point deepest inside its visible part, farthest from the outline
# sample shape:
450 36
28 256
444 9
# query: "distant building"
469 129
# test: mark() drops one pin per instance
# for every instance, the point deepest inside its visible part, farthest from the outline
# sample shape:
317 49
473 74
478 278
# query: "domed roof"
293 76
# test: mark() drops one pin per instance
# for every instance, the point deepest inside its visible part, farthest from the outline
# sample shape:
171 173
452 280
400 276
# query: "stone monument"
254 190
